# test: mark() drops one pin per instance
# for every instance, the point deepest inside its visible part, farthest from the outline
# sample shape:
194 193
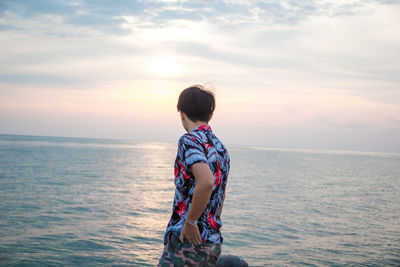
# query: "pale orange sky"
321 75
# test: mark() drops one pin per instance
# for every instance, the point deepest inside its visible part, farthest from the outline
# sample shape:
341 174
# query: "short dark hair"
197 103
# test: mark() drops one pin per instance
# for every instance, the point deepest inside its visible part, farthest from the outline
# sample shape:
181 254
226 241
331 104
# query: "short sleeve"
191 151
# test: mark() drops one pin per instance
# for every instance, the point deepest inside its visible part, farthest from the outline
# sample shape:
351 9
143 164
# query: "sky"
321 74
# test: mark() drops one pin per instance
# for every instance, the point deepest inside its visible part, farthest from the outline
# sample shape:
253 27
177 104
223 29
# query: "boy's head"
197 103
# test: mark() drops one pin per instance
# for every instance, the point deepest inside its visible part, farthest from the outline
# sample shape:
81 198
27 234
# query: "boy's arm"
201 196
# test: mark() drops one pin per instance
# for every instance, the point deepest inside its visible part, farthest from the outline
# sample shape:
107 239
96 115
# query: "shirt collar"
204 127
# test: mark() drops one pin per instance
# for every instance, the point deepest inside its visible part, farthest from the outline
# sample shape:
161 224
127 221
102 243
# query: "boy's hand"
191 233
201 195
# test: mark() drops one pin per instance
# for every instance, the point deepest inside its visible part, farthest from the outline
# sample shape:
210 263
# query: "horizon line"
233 146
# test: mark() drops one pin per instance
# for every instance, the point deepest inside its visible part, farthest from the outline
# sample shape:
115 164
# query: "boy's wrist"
191 222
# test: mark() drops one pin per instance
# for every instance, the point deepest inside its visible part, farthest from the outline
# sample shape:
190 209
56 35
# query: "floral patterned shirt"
200 145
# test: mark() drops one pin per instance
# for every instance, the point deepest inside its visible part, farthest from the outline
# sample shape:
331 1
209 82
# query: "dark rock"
231 261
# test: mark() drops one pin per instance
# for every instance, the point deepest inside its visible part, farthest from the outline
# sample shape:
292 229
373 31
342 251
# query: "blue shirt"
200 145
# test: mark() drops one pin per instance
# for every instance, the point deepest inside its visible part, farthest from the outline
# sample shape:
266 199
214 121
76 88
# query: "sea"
98 202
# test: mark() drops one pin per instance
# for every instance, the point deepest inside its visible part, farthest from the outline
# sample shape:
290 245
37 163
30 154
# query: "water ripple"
79 202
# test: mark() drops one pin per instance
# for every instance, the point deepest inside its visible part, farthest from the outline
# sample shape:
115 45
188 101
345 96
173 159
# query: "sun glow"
164 67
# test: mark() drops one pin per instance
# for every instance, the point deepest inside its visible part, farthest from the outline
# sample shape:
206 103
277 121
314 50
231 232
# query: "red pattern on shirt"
182 170
211 221
218 175
181 209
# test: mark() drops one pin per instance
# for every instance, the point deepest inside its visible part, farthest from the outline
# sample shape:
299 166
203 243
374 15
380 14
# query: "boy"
193 236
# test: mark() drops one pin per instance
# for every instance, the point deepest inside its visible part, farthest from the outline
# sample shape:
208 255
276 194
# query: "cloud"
107 16
314 65
302 38
22 78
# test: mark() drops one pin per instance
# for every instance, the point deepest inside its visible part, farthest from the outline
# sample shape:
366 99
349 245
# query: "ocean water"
92 202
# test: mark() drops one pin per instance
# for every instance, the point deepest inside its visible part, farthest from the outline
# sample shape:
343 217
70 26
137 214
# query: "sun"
164 67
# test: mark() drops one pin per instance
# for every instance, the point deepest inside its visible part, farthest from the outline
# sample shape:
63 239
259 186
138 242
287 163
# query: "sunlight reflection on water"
108 203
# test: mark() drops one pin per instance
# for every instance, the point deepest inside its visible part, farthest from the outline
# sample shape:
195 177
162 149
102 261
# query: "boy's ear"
182 115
